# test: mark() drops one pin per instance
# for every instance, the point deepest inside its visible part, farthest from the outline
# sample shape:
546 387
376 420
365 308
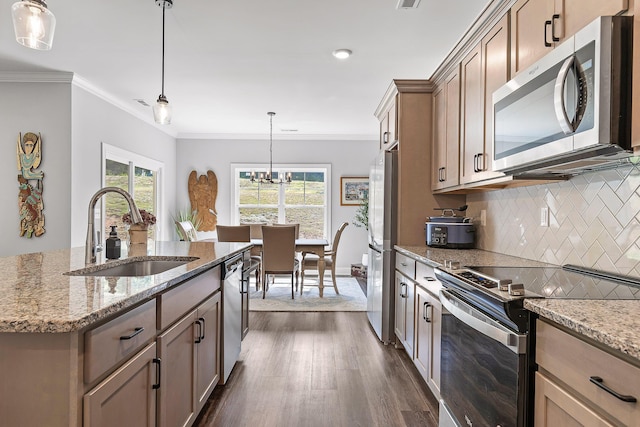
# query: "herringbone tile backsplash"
594 221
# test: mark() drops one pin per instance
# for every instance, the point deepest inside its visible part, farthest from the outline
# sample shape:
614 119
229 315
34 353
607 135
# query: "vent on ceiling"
141 102
408 4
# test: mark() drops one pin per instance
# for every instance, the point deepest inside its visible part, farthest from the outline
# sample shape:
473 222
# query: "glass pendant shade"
162 111
33 24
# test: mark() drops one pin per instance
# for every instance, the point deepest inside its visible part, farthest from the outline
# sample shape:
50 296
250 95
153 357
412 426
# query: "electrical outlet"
544 217
483 217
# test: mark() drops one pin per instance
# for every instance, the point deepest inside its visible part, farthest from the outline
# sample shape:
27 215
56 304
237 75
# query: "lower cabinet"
554 406
427 341
128 396
404 320
190 364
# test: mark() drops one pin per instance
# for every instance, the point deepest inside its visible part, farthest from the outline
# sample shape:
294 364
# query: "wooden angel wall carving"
30 184
203 192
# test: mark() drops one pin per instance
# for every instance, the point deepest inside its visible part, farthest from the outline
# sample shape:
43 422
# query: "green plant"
362 214
186 215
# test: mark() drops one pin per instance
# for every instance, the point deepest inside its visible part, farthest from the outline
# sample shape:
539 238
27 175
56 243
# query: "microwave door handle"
558 97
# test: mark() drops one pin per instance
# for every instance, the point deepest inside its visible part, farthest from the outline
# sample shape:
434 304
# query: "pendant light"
162 109
268 177
33 24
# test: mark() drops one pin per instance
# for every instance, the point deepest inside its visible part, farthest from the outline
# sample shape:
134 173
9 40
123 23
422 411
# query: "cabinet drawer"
574 361
426 278
174 303
111 343
406 265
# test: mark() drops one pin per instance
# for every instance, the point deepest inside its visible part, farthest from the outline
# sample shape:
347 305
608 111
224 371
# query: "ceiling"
229 62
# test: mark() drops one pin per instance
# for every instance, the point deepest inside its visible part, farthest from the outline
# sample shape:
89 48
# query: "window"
140 177
304 201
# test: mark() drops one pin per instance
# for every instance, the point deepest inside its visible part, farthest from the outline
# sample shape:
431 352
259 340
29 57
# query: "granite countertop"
614 323
36 295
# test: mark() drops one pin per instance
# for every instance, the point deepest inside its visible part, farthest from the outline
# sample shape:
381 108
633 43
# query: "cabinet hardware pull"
553 28
424 316
404 264
385 137
600 383
480 166
136 331
157 361
403 295
203 327
430 279
475 163
546 25
199 339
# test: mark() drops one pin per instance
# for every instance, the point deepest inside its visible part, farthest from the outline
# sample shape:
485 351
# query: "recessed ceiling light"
342 53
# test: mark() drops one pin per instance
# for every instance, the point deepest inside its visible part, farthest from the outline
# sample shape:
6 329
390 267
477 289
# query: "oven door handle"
483 323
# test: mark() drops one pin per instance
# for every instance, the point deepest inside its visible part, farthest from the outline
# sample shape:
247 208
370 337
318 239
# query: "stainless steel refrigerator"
382 237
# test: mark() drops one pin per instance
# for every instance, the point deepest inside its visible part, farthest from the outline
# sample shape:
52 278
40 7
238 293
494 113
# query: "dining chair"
240 233
187 230
278 254
297 226
310 260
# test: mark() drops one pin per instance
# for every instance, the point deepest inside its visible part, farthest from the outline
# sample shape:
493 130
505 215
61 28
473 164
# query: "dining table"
317 246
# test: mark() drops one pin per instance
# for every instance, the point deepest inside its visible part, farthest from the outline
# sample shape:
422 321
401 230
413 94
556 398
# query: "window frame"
236 168
117 154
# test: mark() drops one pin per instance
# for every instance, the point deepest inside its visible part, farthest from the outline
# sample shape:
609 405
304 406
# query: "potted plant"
138 233
362 214
185 215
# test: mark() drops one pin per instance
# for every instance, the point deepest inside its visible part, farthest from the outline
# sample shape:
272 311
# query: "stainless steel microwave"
570 109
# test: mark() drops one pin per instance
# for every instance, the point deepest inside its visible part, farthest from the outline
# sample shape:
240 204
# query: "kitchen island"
69 344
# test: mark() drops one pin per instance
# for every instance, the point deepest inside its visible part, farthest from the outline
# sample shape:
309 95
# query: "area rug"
278 298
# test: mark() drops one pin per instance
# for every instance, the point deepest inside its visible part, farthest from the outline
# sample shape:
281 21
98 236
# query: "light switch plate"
483 217
544 217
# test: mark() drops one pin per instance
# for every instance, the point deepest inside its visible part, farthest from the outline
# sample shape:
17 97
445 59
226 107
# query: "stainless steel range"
487 350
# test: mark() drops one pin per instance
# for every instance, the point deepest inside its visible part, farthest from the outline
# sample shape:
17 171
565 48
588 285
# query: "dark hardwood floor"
319 369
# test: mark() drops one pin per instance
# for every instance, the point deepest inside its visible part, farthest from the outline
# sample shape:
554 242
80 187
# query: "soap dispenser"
113 244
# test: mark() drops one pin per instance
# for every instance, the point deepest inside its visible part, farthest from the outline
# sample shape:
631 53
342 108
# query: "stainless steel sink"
135 267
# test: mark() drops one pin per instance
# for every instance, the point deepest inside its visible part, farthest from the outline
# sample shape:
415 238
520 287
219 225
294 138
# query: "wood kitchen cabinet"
537 26
446 132
128 396
483 70
208 351
411 102
567 390
405 309
388 122
428 317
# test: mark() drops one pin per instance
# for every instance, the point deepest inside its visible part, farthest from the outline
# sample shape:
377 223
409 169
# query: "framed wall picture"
353 190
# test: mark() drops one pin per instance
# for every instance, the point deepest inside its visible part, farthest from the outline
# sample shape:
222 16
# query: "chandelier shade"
34 24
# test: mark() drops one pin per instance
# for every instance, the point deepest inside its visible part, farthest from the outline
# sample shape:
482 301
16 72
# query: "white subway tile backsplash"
594 221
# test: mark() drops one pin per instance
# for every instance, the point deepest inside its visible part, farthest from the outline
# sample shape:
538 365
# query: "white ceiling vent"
408 4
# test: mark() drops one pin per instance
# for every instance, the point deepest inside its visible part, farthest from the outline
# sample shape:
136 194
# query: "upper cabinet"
388 123
446 132
537 26
484 69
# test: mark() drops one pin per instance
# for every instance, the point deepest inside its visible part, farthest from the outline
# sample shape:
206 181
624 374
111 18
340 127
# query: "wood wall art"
30 184
203 192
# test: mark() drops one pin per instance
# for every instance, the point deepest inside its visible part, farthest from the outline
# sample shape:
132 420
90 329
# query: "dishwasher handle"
232 265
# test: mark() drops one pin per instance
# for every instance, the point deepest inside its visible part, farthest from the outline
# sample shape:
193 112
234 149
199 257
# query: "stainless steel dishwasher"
231 313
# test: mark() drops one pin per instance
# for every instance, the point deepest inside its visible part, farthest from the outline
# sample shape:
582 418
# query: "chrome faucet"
90 245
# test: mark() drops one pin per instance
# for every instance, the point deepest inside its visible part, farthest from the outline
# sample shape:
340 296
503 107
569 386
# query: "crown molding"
281 137
36 77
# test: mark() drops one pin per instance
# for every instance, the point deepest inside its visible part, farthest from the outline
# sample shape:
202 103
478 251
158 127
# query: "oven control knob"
503 284
516 289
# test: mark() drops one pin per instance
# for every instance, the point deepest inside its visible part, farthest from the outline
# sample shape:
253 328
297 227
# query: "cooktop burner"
568 282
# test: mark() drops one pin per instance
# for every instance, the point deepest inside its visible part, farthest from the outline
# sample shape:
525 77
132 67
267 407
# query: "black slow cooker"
449 230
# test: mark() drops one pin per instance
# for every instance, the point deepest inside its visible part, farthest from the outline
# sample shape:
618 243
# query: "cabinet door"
495 73
126 397
528 32
176 395
555 406
388 127
575 14
472 117
207 348
427 344
401 306
446 132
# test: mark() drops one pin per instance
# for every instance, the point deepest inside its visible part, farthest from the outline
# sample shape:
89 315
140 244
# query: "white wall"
41 108
347 158
95 121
